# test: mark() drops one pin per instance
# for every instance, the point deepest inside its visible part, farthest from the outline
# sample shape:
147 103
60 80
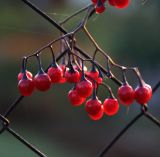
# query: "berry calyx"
55 73
110 106
143 94
21 74
126 94
84 88
74 98
42 81
93 107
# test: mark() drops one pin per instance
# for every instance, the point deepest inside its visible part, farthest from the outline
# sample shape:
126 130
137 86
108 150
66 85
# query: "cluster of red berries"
100 4
85 84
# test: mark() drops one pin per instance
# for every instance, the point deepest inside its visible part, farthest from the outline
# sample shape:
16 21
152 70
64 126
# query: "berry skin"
143 94
121 3
94 75
63 79
42 82
126 94
93 107
55 73
84 88
74 98
26 86
99 115
29 75
72 76
111 106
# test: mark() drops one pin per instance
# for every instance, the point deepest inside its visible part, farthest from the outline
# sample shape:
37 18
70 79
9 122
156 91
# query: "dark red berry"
84 88
93 107
55 73
72 76
29 75
143 94
26 86
42 82
74 98
111 106
97 116
126 94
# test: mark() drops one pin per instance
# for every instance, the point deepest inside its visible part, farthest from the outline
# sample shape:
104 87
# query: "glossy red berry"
29 75
143 94
55 73
97 116
42 82
93 77
121 3
74 98
72 76
111 106
84 88
93 107
126 94
26 86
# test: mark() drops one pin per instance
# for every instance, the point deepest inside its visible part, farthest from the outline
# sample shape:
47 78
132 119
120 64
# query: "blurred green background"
130 36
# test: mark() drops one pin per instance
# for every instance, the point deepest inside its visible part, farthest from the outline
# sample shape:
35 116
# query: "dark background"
130 36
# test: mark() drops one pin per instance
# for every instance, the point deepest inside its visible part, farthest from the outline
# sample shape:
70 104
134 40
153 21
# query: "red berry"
72 76
111 106
42 82
94 75
93 107
121 3
26 86
126 94
29 75
143 94
84 88
55 73
99 115
74 98
100 9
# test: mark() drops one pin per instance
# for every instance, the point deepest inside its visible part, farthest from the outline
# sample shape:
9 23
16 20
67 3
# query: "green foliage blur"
129 36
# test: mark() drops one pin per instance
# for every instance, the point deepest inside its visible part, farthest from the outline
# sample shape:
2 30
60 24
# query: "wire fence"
5 122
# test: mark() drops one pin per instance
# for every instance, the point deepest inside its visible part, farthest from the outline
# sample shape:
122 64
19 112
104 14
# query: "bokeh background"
131 37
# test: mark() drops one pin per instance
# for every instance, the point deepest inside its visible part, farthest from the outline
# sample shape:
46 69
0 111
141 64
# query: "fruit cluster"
100 4
86 82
